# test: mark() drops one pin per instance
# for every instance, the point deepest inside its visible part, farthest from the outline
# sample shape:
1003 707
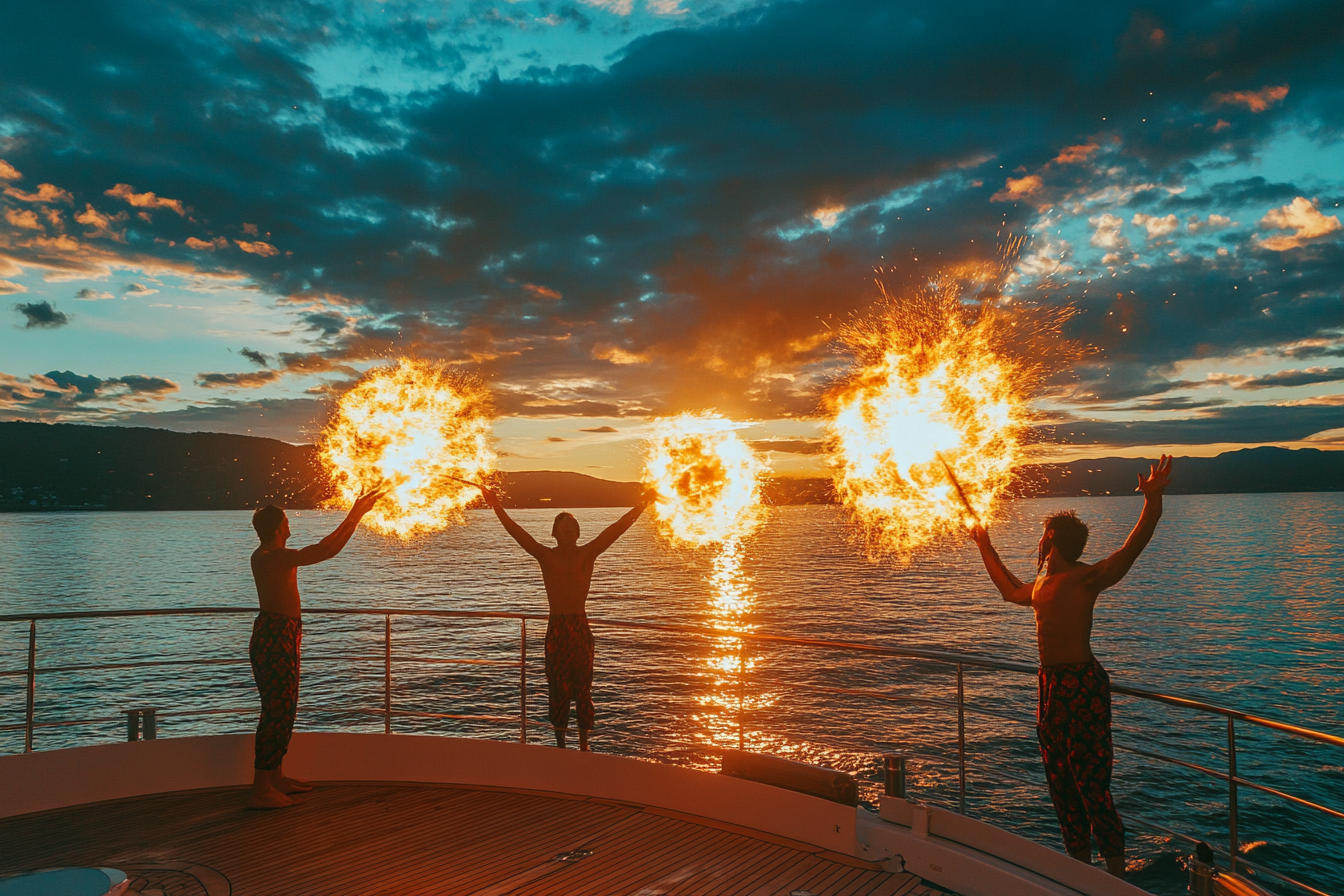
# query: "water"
1237 601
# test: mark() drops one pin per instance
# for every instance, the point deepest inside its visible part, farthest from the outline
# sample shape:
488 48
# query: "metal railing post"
387 674
961 740
32 686
741 692
1232 793
522 681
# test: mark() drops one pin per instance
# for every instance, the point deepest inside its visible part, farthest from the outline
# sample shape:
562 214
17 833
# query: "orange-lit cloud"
8 171
102 224
617 355
258 248
145 200
249 380
1300 216
1072 155
25 219
8 288
828 215
542 292
1018 188
218 242
1255 100
45 193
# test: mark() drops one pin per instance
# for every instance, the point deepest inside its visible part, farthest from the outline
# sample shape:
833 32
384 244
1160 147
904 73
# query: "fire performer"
567 571
276 636
1073 716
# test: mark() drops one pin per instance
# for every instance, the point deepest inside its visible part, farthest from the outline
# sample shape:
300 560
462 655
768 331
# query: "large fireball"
936 386
419 427
707 479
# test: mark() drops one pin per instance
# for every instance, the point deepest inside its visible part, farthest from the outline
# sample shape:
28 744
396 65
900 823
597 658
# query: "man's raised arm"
331 545
520 535
609 535
1013 589
1113 568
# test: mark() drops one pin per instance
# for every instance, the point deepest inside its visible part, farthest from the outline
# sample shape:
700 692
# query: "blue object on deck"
65 882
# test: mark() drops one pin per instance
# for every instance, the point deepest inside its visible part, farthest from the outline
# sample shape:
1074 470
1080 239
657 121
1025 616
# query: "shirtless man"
276 635
1073 715
567 571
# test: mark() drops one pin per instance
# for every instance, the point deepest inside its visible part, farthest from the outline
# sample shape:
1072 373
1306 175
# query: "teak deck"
424 839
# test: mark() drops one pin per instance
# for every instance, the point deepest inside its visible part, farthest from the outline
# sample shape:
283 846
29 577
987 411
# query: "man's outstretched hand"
1159 477
647 495
364 503
979 534
490 497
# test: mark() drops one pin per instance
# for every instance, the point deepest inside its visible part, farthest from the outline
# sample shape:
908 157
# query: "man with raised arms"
1073 715
567 571
276 637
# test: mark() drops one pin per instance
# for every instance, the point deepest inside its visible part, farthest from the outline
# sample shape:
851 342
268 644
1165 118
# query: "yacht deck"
420 839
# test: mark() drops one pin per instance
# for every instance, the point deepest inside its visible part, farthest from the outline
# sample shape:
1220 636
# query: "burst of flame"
936 381
414 426
707 479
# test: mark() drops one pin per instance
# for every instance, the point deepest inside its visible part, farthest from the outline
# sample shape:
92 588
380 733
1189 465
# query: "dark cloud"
141 385
258 358
41 315
555 439
1291 378
788 446
1250 424
249 380
599 429
66 379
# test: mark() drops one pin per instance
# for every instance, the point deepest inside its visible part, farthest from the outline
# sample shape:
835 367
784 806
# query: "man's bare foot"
272 799
292 785
583 739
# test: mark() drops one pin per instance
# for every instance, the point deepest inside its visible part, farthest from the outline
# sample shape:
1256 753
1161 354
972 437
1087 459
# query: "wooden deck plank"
374 838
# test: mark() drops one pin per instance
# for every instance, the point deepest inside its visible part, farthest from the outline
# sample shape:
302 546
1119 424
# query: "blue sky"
215 216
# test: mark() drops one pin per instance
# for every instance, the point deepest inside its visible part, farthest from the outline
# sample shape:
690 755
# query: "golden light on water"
935 380
416 426
707 479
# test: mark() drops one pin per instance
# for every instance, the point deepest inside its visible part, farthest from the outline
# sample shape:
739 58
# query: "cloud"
555 439
1255 100
102 224
8 287
1156 227
138 289
143 385
258 358
1282 378
1107 235
1072 155
25 219
1019 188
249 380
1246 424
828 215
46 193
1300 216
542 292
88 294
145 200
218 242
42 315
788 446
8 171
1213 222
259 247
602 429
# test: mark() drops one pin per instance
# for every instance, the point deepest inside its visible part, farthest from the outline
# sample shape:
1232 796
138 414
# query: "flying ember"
418 427
926 427
706 477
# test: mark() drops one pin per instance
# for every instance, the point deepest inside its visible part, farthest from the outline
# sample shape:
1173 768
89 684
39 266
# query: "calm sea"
1238 602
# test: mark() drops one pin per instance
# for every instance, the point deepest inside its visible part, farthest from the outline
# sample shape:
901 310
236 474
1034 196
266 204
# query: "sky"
217 216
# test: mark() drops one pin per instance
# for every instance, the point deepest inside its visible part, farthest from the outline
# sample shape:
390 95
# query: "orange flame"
416 426
938 394
707 479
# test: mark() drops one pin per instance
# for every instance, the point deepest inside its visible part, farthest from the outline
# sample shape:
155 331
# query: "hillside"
73 467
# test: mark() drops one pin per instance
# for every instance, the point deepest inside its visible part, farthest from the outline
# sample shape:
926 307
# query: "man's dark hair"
1069 534
562 515
267 521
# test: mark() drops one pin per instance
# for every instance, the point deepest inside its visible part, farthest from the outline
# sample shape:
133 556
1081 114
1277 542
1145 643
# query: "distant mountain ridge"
66 466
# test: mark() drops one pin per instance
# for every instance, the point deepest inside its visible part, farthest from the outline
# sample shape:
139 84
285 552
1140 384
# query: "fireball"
938 395
707 479
419 428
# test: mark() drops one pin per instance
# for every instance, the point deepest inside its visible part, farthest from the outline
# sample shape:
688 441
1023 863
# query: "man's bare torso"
567 571
277 578
1063 601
